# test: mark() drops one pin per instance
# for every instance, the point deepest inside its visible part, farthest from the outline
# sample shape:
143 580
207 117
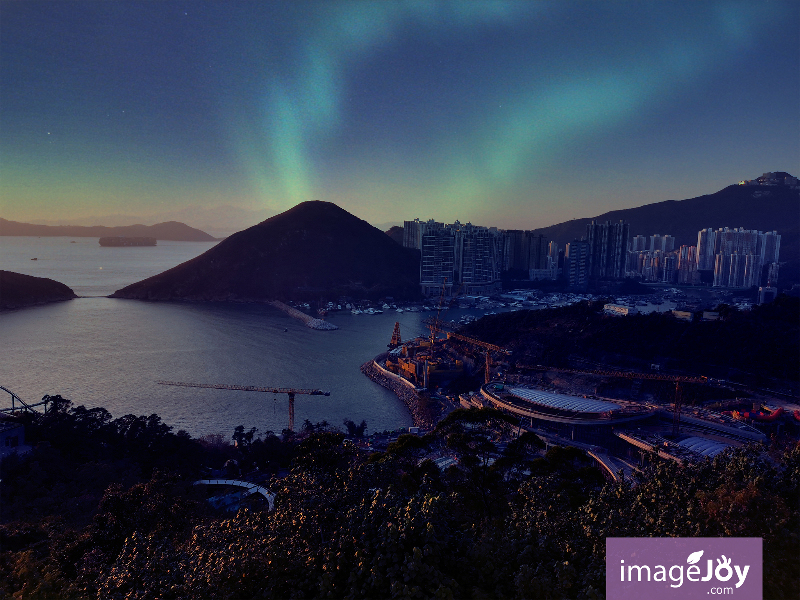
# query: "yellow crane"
435 326
485 345
249 388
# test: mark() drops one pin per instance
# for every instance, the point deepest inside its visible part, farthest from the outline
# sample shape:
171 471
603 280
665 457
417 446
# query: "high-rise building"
537 245
639 243
414 230
518 250
687 265
608 245
466 256
476 258
772 247
665 243
772 275
552 251
669 268
741 255
706 249
722 270
576 264
437 261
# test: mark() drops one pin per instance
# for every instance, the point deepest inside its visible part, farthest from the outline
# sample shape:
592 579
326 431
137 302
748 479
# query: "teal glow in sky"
513 114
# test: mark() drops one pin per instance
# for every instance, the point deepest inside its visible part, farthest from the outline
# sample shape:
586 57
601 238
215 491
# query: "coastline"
404 391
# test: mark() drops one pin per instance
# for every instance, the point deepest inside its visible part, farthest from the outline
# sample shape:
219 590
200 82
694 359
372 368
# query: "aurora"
504 113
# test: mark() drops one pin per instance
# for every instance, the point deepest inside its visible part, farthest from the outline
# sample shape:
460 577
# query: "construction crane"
485 345
396 340
249 388
475 342
435 326
677 379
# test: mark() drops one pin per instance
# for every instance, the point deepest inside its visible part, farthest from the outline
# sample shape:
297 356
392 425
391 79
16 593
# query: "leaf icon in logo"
694 557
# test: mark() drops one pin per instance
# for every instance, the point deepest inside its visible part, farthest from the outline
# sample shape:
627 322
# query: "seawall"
402 389
308 320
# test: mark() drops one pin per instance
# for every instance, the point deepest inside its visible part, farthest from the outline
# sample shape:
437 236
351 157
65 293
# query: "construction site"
622 419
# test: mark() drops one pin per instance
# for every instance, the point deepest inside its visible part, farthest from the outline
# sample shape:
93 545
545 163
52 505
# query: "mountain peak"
315 248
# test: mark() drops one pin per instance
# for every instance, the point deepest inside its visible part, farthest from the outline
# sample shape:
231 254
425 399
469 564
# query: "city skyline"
517 114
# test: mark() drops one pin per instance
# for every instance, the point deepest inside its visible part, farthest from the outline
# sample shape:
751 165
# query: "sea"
100 351
108 352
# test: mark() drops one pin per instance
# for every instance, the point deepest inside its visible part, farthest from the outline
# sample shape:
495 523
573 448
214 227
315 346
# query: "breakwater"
301 316
417 405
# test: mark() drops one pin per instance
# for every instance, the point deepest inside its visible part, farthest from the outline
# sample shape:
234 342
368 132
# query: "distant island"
169 231
19 291
122 240
313 250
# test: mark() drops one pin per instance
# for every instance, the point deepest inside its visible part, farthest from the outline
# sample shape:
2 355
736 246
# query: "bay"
99 351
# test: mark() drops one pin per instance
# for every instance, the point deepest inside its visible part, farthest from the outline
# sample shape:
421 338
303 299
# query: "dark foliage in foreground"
385 525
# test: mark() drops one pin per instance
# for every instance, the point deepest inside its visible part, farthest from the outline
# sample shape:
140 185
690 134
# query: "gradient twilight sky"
510 114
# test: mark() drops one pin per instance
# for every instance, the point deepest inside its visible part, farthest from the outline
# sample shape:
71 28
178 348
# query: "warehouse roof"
703 446
562 402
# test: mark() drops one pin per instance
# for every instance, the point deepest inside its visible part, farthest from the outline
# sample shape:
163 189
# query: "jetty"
308 320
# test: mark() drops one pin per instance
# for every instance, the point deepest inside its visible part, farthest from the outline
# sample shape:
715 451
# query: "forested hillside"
105 508
754 346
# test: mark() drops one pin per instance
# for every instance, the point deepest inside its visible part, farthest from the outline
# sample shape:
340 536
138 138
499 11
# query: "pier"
308 320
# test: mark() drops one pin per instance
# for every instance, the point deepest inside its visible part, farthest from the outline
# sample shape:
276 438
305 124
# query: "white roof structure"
703 446
562 402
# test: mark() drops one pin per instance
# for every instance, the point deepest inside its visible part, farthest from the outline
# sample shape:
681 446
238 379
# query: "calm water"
99 351
106 352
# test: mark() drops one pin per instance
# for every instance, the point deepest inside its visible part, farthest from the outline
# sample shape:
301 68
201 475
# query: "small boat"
34 259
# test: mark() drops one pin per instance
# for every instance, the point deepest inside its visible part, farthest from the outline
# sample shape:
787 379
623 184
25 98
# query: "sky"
508 114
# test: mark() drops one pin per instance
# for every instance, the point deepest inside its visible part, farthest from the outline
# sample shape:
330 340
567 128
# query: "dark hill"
18 291
396 233
749 346
765 208
169 231
314 249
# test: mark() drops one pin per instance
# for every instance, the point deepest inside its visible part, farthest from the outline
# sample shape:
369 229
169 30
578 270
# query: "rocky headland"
20 291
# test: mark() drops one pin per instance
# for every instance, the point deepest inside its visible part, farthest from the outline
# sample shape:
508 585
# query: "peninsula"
20 291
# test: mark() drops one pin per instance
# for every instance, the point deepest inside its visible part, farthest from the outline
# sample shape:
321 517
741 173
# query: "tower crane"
485 345
249 388
435 326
